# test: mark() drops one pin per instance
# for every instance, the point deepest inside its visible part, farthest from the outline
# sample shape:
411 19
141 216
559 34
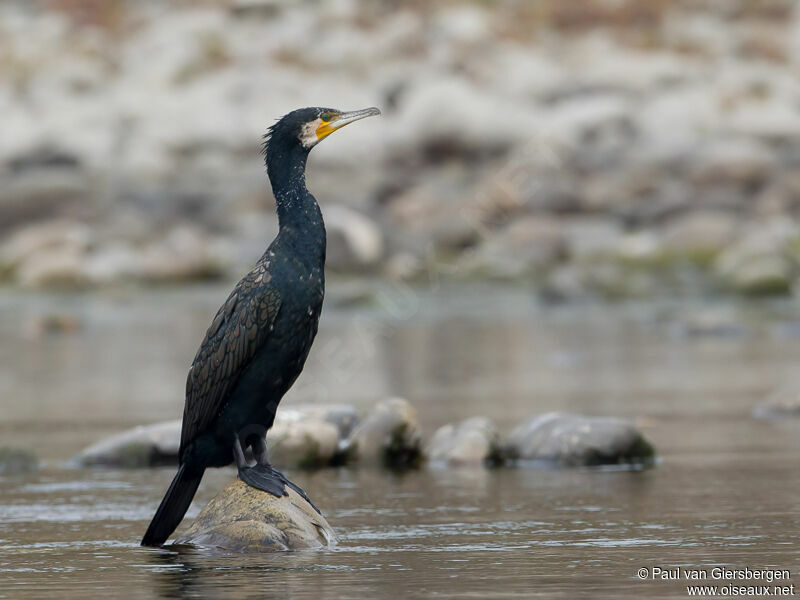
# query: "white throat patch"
308 134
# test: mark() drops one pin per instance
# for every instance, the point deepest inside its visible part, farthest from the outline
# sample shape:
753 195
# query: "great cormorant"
259 339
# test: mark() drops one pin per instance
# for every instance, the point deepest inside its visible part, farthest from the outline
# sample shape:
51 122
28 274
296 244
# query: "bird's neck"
299 216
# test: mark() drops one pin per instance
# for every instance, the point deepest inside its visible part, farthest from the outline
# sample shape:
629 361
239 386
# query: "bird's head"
308 126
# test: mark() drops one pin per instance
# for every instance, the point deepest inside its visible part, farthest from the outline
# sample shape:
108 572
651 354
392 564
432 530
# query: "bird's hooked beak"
337 121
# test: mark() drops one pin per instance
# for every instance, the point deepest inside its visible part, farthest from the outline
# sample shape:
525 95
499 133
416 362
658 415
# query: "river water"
726 491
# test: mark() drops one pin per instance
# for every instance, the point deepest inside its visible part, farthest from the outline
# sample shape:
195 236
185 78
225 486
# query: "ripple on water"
72 513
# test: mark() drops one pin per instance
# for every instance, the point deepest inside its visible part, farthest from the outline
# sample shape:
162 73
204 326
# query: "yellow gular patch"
325 129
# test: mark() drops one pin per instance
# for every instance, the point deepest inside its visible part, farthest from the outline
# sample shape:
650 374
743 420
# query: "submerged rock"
782 405
473 442
14 461
389 436
574 440
243 519
144 446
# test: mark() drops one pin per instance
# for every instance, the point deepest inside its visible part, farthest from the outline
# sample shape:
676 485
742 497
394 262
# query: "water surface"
724 493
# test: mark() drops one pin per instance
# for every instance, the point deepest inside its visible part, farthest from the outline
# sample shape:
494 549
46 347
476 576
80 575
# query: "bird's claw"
268 479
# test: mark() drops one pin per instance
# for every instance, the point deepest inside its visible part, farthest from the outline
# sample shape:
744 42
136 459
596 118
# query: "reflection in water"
725 491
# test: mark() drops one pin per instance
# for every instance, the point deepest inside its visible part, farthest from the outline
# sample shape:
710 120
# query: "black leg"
238 454
260 451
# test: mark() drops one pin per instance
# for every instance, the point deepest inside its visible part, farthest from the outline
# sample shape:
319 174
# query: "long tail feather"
174 505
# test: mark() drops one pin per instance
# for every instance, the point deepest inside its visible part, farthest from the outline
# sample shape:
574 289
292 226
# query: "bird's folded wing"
239 328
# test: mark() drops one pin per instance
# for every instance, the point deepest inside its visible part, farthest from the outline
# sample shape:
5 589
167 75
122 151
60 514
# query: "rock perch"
241 518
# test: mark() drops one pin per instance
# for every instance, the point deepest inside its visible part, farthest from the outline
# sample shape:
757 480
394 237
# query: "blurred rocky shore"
593 148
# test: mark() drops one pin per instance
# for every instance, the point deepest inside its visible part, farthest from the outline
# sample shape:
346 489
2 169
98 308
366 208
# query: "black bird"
260 337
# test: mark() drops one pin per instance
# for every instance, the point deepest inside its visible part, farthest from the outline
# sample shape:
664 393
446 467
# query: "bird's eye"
325 117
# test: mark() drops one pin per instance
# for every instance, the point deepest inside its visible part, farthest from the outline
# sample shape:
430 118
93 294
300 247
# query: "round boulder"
343 416
390 436
243 519
355 242
307 444
573 441
473 442
144 446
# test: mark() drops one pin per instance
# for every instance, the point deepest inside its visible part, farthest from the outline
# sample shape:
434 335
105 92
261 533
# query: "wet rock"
784 404
145 446
390 436
781 196
773 121
48 254
740 162
527 245
185 253
424 129
53 268
700 234
355 242
243 519
113 263
310 436
303 436
473 442
565 283
15 461
52 235
39 193
758 264
601 121
589 236
463 25
403 266
760 275
257 8
573 440
434 212
343 416
304 444
645 199
639 247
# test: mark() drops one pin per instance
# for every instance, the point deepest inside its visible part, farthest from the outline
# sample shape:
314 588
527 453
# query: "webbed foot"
263 476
